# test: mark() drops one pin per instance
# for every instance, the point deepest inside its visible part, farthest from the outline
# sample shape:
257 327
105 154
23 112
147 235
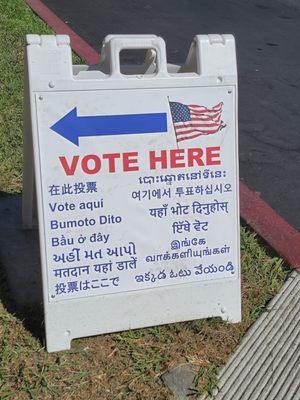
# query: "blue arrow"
71 127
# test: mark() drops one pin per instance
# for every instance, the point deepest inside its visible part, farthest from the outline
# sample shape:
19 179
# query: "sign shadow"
21 287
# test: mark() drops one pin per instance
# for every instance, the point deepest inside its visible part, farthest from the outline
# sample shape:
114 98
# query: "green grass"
127 365
16 20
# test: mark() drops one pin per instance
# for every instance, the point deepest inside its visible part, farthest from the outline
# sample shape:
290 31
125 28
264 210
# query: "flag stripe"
205 115
205 127
196 125
204 132
195 106
189 137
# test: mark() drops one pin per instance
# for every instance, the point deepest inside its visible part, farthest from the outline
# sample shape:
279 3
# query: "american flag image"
191 121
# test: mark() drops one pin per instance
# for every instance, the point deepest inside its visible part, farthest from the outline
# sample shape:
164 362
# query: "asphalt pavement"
267 35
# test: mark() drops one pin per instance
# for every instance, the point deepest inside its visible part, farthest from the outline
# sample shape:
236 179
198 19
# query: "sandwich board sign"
135 173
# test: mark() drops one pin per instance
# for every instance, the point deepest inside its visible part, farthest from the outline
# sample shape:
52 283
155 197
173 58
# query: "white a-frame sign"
135 170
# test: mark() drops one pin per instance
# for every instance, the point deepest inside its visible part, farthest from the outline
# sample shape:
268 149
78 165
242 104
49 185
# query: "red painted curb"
255 211
80 46
268 224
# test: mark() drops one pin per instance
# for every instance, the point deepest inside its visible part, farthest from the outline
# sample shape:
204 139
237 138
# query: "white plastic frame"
211 63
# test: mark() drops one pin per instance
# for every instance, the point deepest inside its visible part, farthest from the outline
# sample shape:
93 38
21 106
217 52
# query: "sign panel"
137 192
134 210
